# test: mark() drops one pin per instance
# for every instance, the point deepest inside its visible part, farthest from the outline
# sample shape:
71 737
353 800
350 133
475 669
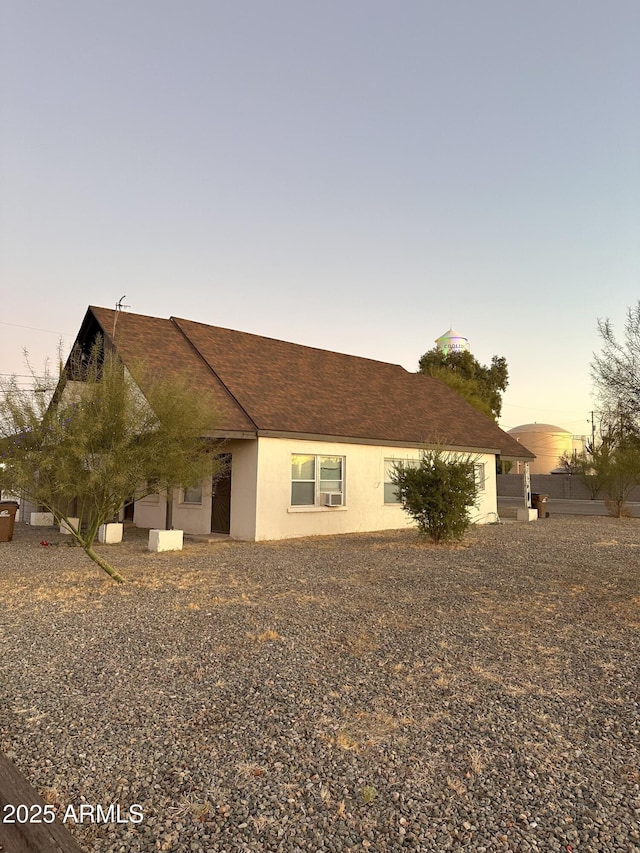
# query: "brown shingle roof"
264 385
162 345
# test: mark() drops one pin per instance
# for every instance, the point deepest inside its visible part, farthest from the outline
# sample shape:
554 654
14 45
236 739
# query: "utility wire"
35 329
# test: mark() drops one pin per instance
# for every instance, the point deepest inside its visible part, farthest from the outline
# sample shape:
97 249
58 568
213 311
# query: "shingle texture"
262 385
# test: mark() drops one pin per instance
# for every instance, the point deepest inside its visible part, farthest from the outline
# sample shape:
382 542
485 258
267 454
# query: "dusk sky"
356 176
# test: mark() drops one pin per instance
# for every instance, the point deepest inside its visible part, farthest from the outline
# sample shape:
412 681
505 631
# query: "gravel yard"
361 693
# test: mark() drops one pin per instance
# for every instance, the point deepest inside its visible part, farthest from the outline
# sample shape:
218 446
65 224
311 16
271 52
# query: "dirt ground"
357 692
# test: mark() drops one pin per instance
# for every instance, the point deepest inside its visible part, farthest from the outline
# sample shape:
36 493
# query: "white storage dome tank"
547 441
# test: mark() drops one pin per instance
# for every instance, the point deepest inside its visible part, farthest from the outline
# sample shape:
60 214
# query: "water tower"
451 341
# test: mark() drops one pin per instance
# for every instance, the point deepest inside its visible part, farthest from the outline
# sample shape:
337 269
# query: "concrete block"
41 519
110 534
64 527
165 540
526 514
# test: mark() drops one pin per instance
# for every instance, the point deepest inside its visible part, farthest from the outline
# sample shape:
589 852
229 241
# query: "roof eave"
377 442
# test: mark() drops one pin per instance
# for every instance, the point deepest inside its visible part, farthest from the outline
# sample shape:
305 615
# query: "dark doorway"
221 497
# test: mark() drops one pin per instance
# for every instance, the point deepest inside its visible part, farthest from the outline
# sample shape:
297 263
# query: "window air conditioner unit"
332 498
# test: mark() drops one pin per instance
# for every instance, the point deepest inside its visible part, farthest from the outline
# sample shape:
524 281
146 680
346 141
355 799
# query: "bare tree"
614 460
616 373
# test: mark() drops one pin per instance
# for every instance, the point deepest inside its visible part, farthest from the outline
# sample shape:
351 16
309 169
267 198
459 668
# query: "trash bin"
539 502
8 510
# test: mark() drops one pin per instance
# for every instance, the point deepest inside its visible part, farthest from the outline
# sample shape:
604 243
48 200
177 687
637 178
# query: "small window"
391 495
192 495
311 476
479 472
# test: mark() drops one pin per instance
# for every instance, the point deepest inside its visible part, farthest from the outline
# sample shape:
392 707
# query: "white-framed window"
391 495
480 475
192 495
313 477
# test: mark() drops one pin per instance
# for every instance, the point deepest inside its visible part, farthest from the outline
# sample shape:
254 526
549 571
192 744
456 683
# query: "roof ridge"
175 321
291 343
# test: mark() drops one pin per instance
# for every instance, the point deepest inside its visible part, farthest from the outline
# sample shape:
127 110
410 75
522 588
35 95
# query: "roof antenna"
120 306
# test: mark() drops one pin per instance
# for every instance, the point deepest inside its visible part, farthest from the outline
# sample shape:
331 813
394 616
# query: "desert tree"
584 465
619 470
102 437
608 466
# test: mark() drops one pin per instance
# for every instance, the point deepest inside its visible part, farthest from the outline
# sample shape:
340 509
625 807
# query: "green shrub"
438 493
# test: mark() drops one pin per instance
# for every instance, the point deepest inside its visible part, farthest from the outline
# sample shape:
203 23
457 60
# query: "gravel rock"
364 692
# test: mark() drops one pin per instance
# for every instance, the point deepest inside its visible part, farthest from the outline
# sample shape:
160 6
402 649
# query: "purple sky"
351 175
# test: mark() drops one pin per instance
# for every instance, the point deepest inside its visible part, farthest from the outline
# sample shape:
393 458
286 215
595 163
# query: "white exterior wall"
150 512
261 493
364 508
486 511
192 518
244 482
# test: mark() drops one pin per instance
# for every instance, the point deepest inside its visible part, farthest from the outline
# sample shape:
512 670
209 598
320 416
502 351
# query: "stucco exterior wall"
364 507
244 466
193 518
261 493
150 512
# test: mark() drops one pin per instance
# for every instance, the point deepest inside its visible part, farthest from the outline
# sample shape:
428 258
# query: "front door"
221 498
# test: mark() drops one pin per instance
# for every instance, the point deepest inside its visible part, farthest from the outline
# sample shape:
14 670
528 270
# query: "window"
479 473
391 495
192 495
312 476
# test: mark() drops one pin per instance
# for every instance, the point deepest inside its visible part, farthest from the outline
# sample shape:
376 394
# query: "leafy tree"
482 386
438 493
101 440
